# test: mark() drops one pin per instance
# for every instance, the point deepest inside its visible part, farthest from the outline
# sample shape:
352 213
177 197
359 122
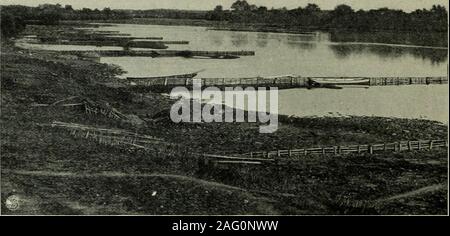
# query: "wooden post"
419 145
431 145
385 147
370 149
334 149
290 153
399 146
409 145
359 149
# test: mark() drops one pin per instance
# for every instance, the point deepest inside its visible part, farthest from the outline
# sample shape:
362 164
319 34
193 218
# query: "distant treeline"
343 17
15 17
52 14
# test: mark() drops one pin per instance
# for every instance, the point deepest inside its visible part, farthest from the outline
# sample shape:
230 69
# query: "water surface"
321 54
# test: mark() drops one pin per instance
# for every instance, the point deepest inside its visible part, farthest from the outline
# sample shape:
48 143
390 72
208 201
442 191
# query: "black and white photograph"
224 108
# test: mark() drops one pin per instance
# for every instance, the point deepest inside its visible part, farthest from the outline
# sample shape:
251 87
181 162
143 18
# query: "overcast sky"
406 5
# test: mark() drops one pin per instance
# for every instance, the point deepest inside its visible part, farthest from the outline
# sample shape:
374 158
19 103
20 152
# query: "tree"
262 9
240 5
312 8
68 7
10 25
50 15
219 8
217 14
343 10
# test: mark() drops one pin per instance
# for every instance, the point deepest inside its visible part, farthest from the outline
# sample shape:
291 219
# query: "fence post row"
371 148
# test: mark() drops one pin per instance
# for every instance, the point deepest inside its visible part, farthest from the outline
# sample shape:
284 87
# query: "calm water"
306 55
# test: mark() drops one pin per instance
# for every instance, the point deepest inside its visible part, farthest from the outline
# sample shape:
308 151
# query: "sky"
406 5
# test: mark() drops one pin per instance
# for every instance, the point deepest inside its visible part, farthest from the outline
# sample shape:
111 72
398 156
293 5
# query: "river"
306 55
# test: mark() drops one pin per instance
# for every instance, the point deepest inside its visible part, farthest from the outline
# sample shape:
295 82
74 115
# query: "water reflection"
239 39
308 46
216 39
303 38
436 56
434 45
436 39
262 40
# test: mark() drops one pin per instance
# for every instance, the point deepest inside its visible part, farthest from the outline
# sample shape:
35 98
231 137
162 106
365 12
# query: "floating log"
113 43
174 42
101 31
146 44
162 53
46 39
135 38
97 33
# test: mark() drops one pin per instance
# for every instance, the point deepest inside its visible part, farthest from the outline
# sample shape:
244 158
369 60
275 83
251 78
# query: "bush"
50 16
10 25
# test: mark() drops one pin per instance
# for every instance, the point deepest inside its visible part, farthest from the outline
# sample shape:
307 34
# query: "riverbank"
55 173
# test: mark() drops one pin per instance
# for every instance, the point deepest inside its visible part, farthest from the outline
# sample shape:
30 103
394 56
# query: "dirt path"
119 175
427 189
263 199
139 175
